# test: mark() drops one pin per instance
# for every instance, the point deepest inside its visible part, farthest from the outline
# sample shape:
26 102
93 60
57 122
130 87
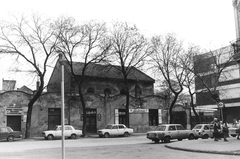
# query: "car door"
182 133
114 130
121 130
68 131
58 132
173 131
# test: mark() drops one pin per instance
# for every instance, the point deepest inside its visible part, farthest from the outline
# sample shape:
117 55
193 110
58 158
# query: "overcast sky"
207 23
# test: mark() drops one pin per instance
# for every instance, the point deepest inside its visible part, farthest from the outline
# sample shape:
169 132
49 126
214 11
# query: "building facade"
227 86
105 103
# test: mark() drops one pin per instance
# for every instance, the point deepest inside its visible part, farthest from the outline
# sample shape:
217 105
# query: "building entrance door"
54 118
122 116
14 122
91 120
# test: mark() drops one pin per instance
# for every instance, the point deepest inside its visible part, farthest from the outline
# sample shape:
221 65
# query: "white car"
115 130
167 132
69 131
203 131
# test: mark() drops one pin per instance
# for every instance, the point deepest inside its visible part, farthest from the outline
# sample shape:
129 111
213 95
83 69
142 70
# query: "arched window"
90 90
138 91
107 91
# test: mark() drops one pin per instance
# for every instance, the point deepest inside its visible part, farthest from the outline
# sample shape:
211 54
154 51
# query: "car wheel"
106 135
126 134
73 136
10 138
205 136
167 139
50 137
179 139
191 137
156 141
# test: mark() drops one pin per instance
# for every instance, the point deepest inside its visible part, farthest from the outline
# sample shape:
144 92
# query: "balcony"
236 48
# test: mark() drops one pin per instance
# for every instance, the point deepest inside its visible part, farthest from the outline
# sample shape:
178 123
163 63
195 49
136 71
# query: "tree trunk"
83 109
127 108
171 108
29 112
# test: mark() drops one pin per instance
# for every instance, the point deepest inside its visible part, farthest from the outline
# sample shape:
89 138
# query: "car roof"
115 124
204 124
168 124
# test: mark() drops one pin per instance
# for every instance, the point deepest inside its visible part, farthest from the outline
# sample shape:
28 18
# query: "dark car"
7 133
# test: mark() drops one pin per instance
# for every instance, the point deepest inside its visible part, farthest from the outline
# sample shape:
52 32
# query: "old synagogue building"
104 97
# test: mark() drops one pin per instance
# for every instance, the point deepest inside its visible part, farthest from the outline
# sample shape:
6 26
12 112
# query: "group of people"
220 129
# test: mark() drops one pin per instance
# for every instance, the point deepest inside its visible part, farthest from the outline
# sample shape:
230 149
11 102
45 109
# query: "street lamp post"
62 106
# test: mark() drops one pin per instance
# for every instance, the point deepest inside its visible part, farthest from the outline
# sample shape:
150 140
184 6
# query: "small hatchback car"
203 131
7 133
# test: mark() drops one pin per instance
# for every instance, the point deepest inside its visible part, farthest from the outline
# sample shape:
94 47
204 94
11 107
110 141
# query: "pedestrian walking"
225 130
216 129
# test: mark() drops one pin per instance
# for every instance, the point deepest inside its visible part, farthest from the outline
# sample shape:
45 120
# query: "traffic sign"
220 104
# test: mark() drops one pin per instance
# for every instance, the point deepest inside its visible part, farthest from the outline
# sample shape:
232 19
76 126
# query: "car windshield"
161 128
198 127
58 128
10 129
108 127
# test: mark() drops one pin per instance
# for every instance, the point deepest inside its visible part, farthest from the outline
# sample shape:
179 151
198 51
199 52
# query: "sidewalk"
232 147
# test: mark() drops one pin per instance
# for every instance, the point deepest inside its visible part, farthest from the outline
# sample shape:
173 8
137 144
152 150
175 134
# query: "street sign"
220 104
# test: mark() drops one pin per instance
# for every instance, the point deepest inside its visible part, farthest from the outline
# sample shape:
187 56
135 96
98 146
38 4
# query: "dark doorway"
122 116
54 118
180 118
14 122
91 121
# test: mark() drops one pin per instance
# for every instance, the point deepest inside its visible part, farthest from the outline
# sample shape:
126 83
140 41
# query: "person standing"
225 130
216 129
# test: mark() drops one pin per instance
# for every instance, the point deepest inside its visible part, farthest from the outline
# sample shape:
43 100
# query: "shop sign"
14 111
138 111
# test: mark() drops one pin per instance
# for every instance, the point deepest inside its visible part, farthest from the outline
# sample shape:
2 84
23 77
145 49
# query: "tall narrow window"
138 91
153 117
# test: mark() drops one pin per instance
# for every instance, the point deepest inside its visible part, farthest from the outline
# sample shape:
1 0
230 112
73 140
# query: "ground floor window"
153 117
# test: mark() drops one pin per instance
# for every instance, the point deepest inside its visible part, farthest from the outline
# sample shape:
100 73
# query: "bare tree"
87 43
165 60
129 49
33 40
189 83
209 69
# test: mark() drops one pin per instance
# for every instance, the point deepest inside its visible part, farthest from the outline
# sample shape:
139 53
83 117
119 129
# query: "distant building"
25 89
8 85
228 88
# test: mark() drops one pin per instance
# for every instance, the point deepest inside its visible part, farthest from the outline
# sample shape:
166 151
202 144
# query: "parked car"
7 133
232 130
167 132
115 130
69 131
203 131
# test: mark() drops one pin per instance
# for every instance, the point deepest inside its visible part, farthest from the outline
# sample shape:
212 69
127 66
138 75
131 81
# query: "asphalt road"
98 148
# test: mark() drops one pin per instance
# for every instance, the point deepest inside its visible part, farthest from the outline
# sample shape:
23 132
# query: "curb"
236 153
